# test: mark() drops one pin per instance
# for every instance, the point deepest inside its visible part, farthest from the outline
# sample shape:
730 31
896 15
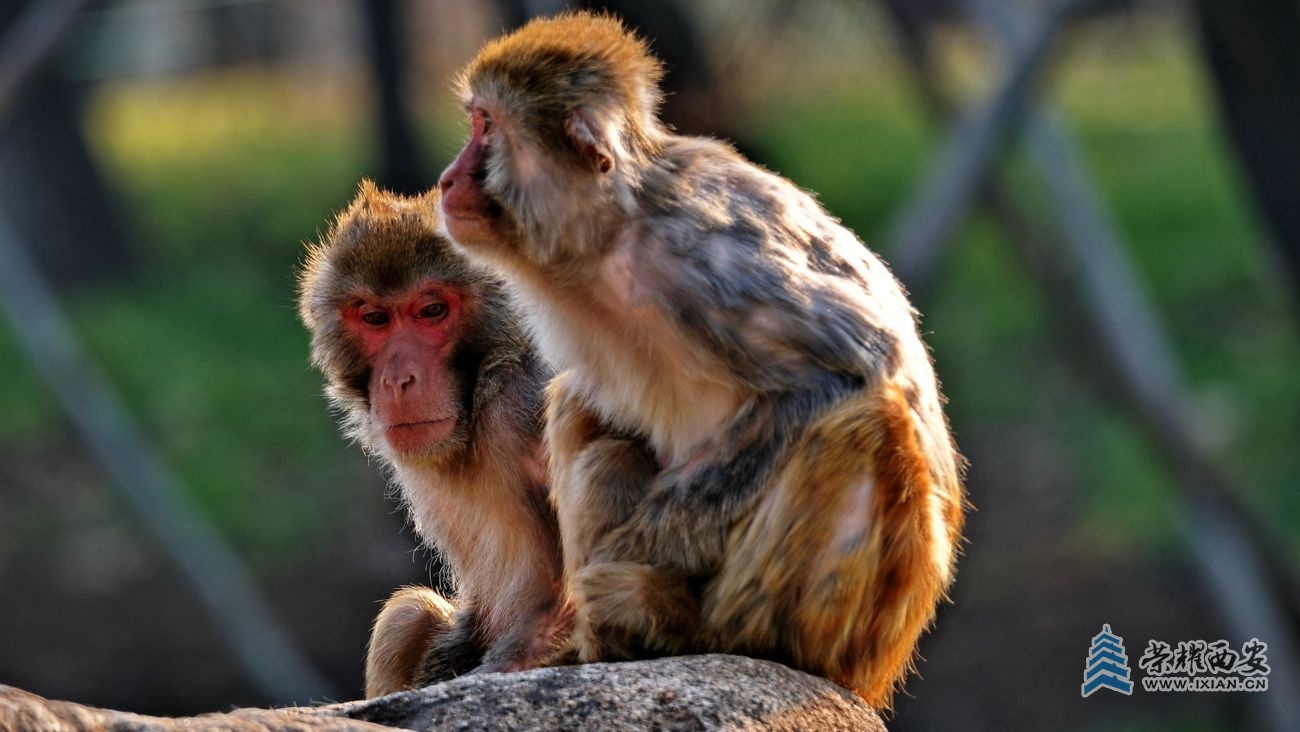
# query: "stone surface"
685 693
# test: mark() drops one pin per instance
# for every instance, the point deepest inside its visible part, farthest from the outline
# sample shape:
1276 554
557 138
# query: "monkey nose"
398 382
445 182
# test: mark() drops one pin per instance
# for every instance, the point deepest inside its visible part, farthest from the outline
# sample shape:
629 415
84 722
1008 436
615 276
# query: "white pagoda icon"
1107 665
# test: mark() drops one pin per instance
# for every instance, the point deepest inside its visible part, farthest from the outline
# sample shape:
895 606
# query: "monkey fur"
404 329
748 448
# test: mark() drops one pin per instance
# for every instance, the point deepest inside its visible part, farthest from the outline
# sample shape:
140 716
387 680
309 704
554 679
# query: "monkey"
748 449
427 364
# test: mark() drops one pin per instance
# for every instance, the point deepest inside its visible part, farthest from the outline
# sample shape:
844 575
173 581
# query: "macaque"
747 445
426 362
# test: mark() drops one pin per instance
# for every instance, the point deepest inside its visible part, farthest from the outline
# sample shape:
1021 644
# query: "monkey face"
470 215
521 184
415 396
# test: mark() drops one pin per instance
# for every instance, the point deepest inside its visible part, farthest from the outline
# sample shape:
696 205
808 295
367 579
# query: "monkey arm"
684 518
598 475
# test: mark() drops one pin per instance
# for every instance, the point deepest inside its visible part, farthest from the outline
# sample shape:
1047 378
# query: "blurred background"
1094 204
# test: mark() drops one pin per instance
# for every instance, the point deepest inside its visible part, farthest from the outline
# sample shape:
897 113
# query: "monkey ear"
586 134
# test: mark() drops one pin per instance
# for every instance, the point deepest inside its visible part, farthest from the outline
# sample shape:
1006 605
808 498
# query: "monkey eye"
482 121
433 311
375 318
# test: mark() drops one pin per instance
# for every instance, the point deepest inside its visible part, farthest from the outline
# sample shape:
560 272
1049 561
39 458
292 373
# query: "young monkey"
425 360
748 448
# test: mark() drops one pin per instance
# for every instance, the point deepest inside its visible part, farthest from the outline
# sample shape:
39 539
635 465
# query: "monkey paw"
607 620
631 610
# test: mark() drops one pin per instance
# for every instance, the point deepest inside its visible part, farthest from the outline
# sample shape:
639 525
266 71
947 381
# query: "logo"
1198 665
1107 665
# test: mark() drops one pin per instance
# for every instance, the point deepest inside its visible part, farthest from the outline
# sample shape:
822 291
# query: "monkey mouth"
419 435
467 226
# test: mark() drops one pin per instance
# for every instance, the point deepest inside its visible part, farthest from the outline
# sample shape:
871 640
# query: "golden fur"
748 447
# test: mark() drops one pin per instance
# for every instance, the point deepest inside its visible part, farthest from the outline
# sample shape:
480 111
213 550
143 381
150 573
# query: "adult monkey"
748 449
425 359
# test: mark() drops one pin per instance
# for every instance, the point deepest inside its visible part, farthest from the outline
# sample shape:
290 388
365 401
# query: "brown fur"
407 627
747 440
480 494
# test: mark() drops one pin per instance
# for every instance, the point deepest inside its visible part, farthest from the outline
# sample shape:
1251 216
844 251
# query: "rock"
24 712
683 693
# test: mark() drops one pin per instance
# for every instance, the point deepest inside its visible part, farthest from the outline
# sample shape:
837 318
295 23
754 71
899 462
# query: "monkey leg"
456 651
597 479
608 478
536 638
639 596
842 563
406 628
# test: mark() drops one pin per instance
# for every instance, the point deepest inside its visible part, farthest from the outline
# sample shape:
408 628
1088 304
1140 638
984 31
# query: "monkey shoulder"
757 269
713 208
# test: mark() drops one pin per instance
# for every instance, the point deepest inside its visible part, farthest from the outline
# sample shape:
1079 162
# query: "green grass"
224 176
1148 126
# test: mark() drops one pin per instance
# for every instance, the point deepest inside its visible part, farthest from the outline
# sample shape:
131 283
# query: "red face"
469 214
409 341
